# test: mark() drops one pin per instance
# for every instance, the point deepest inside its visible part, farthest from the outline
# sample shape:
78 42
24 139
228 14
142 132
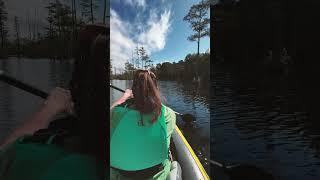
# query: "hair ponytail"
146 93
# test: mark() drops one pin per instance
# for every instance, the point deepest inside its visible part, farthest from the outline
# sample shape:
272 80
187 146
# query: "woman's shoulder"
128 104
167 109
169 114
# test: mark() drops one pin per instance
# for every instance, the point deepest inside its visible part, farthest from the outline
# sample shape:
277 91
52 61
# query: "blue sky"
157 25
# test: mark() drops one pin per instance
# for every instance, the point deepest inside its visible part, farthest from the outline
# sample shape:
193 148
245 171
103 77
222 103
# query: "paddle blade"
248 172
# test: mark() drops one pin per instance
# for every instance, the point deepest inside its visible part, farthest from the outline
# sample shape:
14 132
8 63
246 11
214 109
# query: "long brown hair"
88 88
146 94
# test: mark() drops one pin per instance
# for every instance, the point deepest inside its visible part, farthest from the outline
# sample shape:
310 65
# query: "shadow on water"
265 127
184 98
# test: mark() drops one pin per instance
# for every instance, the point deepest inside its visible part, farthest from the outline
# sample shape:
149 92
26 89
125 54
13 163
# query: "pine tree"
88 7
60 27
138 57
199 21
149 63
143 56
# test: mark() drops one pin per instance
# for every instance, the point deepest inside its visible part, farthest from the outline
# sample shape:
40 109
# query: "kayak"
186 159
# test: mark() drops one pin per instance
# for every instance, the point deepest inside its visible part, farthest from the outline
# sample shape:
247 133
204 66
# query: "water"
183 98
17 105
272 132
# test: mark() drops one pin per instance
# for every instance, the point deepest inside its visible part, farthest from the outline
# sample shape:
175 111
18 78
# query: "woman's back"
134 146
146 150
140 132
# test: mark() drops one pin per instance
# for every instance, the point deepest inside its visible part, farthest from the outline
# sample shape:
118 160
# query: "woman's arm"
58 101
126 95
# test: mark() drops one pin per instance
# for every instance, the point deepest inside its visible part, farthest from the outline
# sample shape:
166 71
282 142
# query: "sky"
157 25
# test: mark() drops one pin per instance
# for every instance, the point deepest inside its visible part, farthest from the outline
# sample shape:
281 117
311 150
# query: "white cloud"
120 42
157 29
125 36
141 3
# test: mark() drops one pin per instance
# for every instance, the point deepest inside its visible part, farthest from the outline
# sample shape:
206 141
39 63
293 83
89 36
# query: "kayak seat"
175 171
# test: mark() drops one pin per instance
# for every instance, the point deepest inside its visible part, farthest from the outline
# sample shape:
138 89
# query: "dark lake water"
184 98
17 105
273 133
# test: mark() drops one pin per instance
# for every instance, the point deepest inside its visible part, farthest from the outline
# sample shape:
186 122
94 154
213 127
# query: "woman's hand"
59 100
127 94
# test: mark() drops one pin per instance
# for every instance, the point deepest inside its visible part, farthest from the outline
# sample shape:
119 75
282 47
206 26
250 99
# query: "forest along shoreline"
194 68
27 38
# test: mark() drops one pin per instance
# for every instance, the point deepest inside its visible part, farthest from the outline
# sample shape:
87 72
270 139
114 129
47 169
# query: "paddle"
61 122
21 85
187 118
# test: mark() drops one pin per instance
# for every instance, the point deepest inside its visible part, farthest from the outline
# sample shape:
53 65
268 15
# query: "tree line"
57 41
193 68
140 60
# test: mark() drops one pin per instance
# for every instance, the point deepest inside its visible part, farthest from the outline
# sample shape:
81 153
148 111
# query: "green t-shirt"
37 161
170 120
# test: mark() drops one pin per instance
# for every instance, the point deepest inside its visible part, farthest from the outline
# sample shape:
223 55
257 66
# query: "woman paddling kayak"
73 147
140 132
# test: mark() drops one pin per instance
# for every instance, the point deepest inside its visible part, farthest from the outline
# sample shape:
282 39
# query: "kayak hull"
191 167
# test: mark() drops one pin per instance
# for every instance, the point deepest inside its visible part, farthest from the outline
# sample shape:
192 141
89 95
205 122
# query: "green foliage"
192 67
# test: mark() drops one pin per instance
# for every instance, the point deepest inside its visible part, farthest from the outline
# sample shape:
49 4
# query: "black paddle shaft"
114 87
21 85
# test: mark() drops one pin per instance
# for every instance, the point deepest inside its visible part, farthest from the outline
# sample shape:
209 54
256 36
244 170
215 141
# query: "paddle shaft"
21 85
114 87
